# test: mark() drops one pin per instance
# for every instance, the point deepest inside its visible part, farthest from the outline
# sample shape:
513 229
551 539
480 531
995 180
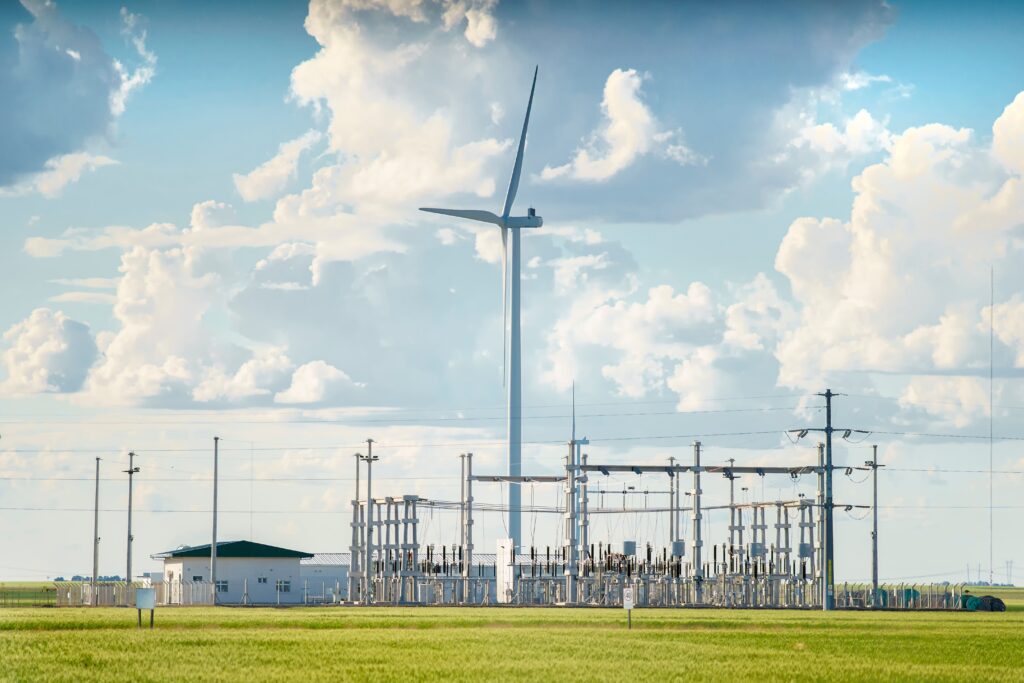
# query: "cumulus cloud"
481 26
211 214
901 287
649 336
265 369
270 178
629 131
818 135
1008 136
69 91
47 352
312 382
160 306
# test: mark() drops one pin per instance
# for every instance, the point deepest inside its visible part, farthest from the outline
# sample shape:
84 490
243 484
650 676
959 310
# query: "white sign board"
145 598
627 597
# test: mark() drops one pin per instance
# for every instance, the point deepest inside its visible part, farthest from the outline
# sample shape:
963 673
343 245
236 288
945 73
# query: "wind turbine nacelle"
531 220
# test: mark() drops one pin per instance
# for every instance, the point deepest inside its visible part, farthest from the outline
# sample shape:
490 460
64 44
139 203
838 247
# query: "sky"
209 227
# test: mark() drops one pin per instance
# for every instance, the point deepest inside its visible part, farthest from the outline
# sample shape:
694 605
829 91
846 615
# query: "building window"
284 586
261 579
170 576
222 586
197 578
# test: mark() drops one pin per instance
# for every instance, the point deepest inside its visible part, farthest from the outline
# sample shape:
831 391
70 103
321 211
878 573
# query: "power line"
413 420
501 407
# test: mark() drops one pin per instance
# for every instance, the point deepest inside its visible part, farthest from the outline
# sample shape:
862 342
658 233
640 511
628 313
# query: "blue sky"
210 227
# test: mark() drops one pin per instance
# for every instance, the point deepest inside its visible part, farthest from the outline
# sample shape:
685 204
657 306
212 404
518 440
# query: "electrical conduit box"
504 570
145 598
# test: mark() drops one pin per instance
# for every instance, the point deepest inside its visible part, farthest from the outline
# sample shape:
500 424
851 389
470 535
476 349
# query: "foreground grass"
507 644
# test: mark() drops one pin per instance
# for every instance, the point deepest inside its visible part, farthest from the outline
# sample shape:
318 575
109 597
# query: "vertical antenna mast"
574 410
991 415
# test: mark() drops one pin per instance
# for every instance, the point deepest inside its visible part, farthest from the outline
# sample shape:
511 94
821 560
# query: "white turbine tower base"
511 259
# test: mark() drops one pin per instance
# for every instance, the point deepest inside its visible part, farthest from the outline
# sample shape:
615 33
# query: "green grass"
413 644
27 594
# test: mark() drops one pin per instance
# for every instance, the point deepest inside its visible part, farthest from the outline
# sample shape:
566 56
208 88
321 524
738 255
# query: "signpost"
145 598
627 604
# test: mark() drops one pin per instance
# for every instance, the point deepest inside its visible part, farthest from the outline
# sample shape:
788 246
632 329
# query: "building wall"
241 574
326 580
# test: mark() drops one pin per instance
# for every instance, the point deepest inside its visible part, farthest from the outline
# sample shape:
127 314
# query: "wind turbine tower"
511 259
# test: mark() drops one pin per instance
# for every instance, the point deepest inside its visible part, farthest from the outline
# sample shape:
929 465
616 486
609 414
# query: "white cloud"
902 286
649 336
266 368
1008 136
818 135
481 26
87 282
131 29
161 303
47 352
953 400
497 113
860 134
270 178
628 132
68 92
84 298
211 214
447 236
758 318
59 173
859 80
311 383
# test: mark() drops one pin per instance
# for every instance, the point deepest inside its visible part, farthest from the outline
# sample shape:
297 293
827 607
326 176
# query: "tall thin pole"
698 569
462 494
96 536
874 526
368 556
213 543
570 526
829 521
991 420
354 571
672 534
467 541
131 472
515 408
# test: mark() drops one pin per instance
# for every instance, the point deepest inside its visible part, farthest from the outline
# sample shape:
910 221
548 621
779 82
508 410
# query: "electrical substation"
771 554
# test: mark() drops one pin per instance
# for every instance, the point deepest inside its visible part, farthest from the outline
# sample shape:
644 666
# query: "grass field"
413 644
27 594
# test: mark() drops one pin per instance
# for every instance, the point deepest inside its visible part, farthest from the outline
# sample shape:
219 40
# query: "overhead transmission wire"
229 412
355 421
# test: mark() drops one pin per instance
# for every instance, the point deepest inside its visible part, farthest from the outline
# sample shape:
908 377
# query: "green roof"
233 549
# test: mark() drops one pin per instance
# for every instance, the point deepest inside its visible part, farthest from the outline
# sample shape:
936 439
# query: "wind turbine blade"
513 184
471 214
504 305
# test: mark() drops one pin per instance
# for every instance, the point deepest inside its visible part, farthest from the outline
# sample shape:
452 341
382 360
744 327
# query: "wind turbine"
510 303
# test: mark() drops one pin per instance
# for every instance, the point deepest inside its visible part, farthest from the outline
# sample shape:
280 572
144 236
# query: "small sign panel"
627 597
145 598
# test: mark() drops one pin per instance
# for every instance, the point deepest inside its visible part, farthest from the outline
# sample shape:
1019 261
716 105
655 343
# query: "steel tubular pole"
128 575
213 543
874 525
829 509
96 536
698 569
369 522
